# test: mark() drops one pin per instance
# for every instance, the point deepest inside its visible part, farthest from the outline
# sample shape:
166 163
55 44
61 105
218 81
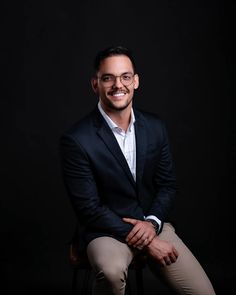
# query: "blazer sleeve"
164 180
81 187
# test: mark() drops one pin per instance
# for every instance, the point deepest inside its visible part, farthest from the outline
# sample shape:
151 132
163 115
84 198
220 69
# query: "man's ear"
94 84
136 81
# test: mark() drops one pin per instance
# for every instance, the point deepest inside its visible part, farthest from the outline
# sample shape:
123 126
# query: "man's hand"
162 251
142 233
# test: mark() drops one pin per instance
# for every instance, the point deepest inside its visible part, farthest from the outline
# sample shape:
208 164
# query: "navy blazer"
99 182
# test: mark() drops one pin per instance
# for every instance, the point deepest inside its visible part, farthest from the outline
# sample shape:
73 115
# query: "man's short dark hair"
112 51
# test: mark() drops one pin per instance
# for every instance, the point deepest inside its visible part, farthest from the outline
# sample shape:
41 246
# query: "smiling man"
115 83
119 175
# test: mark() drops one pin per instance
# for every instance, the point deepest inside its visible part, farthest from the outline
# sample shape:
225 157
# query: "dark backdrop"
185 60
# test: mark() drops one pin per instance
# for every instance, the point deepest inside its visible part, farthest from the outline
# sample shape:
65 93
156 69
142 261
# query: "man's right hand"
162 251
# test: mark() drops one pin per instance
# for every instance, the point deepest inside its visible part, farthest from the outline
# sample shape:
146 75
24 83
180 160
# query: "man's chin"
119 107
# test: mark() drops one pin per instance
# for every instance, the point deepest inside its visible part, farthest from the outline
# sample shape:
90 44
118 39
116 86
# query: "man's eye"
107 78
127 77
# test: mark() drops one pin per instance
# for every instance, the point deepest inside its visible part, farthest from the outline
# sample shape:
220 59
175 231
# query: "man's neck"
121 118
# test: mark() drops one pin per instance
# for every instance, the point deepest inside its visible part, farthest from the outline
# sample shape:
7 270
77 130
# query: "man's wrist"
157 220
154 224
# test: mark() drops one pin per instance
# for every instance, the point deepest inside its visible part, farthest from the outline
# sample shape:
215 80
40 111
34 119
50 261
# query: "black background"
185 57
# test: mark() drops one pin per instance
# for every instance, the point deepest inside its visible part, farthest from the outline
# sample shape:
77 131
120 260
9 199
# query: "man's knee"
114 274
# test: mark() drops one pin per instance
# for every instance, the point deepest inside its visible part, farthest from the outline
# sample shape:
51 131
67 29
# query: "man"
119 175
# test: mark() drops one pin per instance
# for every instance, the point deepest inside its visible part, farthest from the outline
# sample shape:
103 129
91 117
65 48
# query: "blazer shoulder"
154 125
149 117
82 128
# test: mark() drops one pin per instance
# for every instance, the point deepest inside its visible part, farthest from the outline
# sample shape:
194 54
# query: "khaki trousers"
110 260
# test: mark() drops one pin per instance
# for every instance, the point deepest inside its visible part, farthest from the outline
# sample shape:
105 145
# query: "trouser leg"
185 276
110 260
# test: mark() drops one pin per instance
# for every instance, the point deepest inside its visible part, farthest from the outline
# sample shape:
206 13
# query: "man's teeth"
118 94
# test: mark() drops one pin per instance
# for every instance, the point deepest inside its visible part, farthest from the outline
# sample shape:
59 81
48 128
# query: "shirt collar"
111 123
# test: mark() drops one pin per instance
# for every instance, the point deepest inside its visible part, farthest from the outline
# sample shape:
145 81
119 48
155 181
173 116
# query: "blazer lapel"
105 133
141 145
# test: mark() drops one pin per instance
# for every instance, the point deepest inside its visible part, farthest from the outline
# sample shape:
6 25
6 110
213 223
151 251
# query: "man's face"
114 95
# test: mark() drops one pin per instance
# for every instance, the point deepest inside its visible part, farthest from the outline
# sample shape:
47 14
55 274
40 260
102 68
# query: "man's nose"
117 82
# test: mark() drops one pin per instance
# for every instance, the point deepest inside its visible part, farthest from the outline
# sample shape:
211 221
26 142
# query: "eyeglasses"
108 80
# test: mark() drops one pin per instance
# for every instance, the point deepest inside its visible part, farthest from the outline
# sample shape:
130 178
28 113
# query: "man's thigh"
186 275
105 252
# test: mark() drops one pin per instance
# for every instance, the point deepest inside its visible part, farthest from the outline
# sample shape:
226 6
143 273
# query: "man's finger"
137 239
143 241
132 234
176 253
173 258
130 220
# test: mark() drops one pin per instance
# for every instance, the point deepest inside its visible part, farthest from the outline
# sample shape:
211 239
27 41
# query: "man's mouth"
117 94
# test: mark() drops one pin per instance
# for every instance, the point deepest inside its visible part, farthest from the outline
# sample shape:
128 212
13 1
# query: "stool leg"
84 287
139 281
74 280
86 281
128 289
